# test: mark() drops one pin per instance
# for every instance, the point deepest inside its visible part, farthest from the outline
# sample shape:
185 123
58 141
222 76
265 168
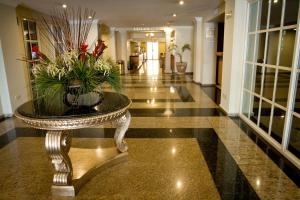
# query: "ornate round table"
72 171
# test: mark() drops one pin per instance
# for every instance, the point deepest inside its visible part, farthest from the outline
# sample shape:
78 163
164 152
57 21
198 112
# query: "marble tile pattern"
157 168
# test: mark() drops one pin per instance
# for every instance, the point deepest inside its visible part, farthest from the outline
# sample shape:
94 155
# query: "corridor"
181 146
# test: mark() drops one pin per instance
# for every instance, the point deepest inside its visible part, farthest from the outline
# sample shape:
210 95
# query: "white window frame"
283 147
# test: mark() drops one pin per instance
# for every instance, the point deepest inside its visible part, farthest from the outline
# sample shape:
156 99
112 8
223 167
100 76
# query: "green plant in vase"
181 65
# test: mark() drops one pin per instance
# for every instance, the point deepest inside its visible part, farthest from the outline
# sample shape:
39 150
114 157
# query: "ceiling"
131 13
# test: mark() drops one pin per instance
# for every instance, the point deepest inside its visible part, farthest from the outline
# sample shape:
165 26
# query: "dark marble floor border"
283 163
213 92
176 112
228 177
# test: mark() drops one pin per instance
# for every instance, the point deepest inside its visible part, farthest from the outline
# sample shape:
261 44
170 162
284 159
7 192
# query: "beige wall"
15 73
162 47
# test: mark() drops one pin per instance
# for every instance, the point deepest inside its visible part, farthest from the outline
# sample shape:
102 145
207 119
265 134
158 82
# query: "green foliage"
186 47
53 79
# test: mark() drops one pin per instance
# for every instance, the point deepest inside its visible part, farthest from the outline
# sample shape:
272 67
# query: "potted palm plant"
181 66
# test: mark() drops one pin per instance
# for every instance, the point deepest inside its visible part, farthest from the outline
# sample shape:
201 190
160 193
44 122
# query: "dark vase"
74 98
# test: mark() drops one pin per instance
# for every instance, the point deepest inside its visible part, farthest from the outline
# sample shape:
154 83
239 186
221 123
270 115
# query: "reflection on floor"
181 146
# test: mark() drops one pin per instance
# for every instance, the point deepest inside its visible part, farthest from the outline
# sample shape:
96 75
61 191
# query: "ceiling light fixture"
275 1
174 15
64 5
90 17
181 2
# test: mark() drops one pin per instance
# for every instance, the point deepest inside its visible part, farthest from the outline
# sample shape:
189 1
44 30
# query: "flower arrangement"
75 70
87 70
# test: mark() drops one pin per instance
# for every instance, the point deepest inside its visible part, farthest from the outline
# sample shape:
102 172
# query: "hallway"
181 146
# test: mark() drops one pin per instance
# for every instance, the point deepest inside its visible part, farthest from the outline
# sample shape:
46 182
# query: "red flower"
35 49
83 49
99 48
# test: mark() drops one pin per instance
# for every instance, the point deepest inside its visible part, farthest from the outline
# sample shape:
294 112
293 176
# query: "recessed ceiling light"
64 5
174 15
90 17
181 2
24 19
275 1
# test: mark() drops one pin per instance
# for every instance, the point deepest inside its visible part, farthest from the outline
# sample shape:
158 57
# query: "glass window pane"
252 16
291 12
264 14
255 108
268 84
287 47
265 115
246 103
257 78
28 50
32 30
248 76
294 143
272 47
278 124
275 15
282 87
297 97
250 47
25 30
261 47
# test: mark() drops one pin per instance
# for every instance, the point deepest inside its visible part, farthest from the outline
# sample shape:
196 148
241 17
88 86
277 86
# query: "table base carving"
71 172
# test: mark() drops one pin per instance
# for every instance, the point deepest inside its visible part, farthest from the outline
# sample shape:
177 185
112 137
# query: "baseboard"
204 85
208 85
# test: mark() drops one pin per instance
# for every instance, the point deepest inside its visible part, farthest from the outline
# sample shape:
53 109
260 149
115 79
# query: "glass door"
152 50
270 95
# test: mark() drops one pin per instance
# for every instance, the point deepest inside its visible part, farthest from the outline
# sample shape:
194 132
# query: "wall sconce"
228 15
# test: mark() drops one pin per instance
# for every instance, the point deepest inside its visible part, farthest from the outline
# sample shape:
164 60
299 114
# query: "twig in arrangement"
67 29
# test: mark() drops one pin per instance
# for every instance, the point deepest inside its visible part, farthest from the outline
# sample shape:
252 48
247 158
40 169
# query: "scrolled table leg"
57 145
122 125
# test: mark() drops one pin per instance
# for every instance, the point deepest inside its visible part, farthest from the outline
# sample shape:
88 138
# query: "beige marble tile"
179 172
171 122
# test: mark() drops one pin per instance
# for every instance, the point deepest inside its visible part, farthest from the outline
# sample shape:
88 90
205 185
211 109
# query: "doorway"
152 50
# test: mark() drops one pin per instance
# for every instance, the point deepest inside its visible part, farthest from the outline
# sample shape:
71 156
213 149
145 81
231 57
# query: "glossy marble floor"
181 146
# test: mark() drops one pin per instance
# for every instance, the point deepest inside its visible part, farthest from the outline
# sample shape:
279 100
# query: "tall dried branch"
67 29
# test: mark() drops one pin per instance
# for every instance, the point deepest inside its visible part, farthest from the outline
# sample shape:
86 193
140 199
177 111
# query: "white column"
209 48
123 46
93 35
112 43
168 54
198 34
234 48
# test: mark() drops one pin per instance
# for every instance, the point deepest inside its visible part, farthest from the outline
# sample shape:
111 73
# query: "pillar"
233 56
168 32
198 34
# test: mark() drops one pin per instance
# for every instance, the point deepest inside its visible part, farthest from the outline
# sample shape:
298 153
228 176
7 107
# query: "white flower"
103 66
69 59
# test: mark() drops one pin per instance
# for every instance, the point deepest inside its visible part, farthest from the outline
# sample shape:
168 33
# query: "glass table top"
112 102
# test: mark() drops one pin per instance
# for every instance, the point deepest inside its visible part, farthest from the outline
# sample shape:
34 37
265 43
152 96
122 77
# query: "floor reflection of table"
75 166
